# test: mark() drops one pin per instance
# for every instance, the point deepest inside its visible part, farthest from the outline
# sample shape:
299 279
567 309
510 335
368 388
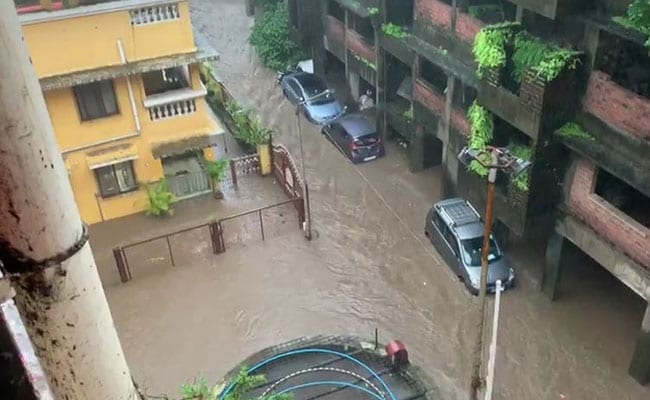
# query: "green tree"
272 41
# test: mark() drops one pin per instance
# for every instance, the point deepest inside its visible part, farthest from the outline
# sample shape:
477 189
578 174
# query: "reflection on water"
370 267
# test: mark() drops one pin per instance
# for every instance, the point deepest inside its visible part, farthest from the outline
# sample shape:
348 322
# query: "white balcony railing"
174 103
175 109
154 14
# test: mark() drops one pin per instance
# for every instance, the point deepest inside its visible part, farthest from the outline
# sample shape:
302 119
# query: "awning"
184 142
203 53
111 155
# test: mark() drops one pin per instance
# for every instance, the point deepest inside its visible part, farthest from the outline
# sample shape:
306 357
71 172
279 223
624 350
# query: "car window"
296 88
446 233
473 248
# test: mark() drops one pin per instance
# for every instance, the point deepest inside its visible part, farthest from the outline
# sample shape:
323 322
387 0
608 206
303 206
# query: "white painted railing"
173 109
154 14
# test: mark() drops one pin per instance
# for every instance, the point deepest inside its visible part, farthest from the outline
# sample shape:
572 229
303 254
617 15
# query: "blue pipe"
307 351
335 383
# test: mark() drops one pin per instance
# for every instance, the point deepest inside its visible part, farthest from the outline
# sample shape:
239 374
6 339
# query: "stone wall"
467 27
436 102
618 106
334 29
626 234
435 11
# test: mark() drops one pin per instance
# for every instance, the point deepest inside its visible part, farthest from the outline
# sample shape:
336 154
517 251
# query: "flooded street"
369 267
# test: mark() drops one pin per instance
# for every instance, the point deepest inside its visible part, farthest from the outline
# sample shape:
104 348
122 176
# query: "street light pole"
477 381
307 227
500 159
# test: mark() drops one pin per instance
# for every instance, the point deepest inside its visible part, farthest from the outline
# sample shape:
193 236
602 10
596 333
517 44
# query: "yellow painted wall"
92 206
91 41
71 132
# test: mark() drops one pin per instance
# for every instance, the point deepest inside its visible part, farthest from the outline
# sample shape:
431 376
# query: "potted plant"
258 136
160 198
217 171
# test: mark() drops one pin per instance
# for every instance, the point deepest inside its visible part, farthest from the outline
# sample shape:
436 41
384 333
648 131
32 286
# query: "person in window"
366 101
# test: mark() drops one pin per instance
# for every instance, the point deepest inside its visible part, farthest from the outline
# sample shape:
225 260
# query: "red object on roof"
397 352
37 7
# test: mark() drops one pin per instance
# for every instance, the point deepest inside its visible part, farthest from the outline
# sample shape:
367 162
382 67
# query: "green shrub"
482 128
271 39
160 198
522 181
394 31
637 18
572 130
490 46
217 169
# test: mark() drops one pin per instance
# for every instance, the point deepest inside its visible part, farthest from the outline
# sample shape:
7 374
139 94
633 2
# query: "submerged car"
356 136
316 101
456 230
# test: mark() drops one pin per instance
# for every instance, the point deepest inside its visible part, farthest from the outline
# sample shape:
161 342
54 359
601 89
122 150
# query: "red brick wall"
467 27
626 234
334 29
618 106
358 45
435 102
435 11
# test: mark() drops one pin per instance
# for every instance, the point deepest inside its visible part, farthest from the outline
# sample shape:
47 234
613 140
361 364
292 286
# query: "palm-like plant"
217 171
160 198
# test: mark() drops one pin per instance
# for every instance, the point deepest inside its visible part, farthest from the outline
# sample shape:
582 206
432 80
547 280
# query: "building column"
640 366
553 267
416 150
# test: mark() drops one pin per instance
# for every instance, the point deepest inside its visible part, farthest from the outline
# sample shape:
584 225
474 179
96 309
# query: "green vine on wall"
482 129
366 62
373 11
573 130
490 46
637 18
394 31
272 40
545 60
521 181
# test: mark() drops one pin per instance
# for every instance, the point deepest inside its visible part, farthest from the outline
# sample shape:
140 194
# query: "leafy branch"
482 128
572 130
271 38
394 31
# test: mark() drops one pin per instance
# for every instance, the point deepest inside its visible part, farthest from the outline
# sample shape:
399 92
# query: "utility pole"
44 244
499 159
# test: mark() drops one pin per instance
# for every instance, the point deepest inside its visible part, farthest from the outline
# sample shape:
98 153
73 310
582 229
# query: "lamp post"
307 229
499 159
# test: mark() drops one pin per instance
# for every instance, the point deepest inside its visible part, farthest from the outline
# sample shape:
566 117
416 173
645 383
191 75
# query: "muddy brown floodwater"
370 267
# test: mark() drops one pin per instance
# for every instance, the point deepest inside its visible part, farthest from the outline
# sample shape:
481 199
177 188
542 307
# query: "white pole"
43 243
493 344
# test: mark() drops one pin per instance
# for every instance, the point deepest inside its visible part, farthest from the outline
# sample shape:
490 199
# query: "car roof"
461 217
357 124
307 78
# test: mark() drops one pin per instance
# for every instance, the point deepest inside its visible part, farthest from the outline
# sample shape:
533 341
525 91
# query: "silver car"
316 101
456 231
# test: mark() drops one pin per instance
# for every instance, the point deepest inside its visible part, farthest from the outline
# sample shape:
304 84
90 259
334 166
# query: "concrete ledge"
628 271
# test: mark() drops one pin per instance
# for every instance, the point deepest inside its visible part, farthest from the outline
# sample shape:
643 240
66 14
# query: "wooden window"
96 100
116 179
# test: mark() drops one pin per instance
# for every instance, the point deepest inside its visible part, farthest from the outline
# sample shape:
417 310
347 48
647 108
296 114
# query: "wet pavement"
370 267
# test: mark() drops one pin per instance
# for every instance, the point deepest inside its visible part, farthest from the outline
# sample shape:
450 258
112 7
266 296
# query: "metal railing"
190 184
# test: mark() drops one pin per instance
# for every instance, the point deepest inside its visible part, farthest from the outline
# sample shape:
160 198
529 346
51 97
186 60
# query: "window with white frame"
116 179
96 100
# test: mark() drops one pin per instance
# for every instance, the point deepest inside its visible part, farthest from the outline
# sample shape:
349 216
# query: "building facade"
585 125
122 86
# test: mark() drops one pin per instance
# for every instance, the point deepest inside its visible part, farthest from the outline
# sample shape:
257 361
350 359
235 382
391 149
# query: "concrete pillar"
416 150
519 16
553 267
353 81
640 366
250 7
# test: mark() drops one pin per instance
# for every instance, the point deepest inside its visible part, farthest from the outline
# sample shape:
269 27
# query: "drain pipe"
134 108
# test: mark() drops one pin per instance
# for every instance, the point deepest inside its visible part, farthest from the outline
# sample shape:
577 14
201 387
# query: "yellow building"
122 86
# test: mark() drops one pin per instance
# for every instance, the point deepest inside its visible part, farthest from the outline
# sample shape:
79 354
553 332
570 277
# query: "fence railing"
215 232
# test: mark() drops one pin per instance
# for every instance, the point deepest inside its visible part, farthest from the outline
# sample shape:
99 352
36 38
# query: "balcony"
435 103
550 8
617 106
587 200
106 34
433 24
334 36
